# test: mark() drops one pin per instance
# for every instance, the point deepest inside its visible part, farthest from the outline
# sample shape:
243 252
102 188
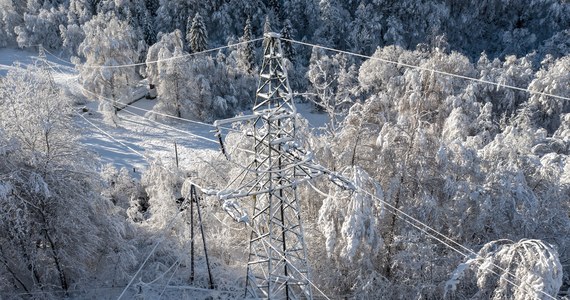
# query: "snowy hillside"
429 157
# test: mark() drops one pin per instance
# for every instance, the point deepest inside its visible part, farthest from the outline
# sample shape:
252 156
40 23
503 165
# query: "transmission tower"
277 265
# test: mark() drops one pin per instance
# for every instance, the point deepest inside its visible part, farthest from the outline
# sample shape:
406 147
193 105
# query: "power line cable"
170 127
499 85
169 279
111 137
153 112
172 58
398 210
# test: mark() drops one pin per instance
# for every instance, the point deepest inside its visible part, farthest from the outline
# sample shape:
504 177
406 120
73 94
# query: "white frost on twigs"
514 270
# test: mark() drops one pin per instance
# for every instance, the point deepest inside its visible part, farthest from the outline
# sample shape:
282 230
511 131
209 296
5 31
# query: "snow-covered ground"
11 56
136 131
156 139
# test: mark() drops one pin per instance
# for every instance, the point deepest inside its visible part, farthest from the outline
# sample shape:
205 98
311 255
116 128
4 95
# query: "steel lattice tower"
277 266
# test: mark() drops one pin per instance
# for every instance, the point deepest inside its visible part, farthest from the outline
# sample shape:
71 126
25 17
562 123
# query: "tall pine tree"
246 54
197 36
288 50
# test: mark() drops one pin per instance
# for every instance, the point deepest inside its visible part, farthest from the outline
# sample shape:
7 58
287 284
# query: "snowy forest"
453 115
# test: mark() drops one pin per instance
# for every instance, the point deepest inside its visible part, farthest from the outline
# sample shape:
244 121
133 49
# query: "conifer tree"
148 29
152 6
275 6
246 54
288 50
197 36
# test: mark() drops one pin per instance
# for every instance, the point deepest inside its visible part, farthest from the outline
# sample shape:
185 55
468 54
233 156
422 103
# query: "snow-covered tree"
365 29
41 28
333 25
197 36
349 221
302 14
172 91
80 11
558 45
72 36
514 72
108 42
288 50
513 270
148 28
555 80
55 226
198 87
333 82
245 51
172 15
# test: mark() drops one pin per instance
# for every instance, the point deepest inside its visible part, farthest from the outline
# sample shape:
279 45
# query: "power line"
170 223
427 69
170 127
156 113
111 137
55 56
169 279
400 211
171 58
174 57
343 52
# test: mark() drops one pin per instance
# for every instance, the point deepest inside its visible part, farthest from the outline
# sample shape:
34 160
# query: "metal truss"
277 265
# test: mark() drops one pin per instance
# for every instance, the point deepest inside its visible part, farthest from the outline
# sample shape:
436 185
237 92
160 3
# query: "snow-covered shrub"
56 230
513 270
